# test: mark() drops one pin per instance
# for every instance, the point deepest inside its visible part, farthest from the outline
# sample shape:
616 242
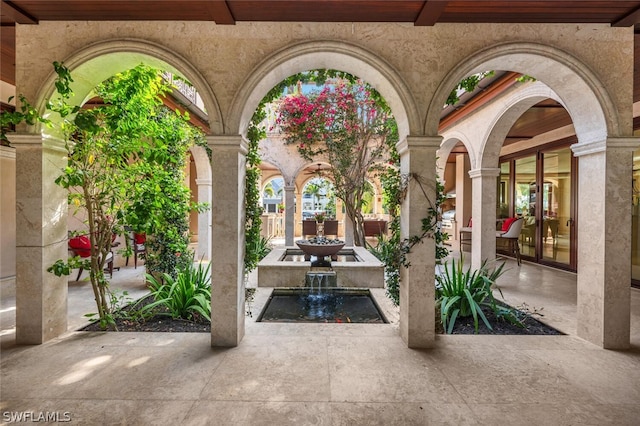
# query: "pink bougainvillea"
346 124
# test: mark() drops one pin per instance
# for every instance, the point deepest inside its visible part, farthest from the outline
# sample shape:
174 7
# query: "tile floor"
328 374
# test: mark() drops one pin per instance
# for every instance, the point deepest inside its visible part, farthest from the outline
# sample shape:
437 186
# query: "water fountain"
319 299
320 247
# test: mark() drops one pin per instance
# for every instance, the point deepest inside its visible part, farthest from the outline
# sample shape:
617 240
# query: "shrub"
462 293
185 296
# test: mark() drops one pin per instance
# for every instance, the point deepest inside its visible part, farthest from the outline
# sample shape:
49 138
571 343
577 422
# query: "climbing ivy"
393 250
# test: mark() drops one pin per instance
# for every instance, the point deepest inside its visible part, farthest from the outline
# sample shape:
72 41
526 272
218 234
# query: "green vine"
393 250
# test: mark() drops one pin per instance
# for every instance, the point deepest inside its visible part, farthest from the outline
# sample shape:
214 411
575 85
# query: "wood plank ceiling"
542 117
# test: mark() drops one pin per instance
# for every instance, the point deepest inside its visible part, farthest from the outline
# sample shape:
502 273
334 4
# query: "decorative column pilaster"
204 220
348 231
41 238
464 192
483 229
604 240
227 239
417 289
289 214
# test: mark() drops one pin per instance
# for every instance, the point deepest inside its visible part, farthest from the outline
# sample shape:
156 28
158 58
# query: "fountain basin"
323 248
286 267
328 305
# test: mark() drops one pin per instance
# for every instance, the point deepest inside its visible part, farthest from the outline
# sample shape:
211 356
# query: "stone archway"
605 152
41 297
483 135
326 54
416 303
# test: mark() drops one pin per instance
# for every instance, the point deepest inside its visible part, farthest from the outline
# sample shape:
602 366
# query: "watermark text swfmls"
36 416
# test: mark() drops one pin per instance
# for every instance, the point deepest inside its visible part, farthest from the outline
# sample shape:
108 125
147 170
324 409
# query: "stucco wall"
421 56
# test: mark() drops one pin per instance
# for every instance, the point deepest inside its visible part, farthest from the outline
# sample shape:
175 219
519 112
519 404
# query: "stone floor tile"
110 372
273 368
609 376
557 414
254 413
384 370
400 413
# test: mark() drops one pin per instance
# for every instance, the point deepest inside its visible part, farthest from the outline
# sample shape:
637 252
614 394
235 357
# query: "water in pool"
327 305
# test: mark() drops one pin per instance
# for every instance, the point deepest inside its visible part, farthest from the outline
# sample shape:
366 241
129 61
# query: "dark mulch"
160 322
164 323
500 326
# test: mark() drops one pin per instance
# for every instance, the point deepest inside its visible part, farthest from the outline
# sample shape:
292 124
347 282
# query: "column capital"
203 181
228 142
50 143
586 148
485 172
291 188
419 142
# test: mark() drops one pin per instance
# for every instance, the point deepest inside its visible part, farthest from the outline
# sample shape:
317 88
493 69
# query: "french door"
542 191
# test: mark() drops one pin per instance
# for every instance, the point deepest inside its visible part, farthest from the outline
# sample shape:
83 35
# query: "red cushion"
81 245
507 223
139 238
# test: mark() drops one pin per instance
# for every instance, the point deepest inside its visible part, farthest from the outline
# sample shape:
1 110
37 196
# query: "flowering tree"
348 124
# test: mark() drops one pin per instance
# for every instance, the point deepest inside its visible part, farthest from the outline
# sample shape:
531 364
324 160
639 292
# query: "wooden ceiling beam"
430 13
629 19
16 14
222 13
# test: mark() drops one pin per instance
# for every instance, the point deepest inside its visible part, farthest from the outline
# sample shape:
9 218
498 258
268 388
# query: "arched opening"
88 68
356 61
596 124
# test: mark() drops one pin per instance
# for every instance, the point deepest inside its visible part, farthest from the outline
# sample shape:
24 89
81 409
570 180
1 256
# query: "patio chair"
510 233
331 227
138 247
308 228
81 246
465 235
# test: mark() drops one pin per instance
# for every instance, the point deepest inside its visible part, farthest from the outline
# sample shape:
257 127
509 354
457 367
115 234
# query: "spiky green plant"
186 295
461 293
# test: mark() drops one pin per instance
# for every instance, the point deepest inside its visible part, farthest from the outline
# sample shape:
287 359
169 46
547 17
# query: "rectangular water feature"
286 267
327 305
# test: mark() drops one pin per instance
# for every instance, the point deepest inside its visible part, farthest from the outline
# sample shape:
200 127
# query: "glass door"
543 186
556 213
525 203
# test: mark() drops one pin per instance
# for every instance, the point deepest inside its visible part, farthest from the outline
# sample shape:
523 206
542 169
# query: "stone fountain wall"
273 272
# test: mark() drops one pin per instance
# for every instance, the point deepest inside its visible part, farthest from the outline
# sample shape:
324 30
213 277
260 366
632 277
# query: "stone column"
604 241
464 199
348 231
340 217
41 238
483 230
289 214
227 239
298 217
417 291
204 220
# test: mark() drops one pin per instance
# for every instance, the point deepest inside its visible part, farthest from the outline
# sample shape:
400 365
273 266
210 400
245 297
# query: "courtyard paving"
327 374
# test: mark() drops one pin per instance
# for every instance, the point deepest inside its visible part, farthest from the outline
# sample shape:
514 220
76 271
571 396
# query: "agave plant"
461 293
186 295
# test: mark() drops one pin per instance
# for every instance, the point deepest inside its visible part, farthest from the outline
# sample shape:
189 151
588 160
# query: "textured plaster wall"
422 56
